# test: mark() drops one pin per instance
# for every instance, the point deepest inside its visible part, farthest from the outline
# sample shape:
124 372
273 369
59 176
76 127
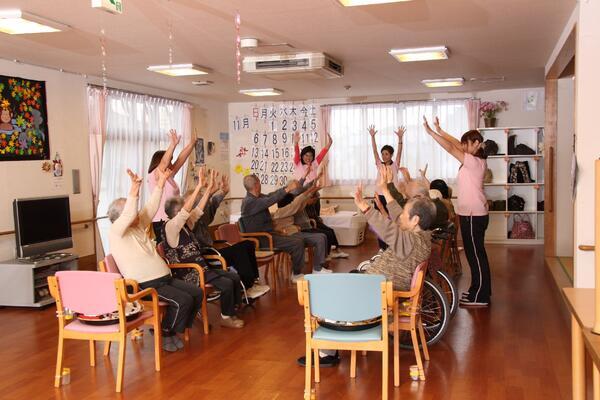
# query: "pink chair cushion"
78 326
419 268
230 233
88 292
111 265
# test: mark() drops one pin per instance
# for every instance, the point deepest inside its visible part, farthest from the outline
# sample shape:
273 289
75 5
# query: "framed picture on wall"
23 120
199 151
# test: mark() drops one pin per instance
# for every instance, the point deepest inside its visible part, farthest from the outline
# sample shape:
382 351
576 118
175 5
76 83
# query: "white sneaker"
323 271
257 291
296 278
340 254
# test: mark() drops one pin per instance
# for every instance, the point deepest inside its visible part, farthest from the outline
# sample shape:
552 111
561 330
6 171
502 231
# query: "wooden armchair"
407 317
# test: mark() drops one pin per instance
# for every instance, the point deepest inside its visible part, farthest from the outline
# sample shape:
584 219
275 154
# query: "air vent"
294 65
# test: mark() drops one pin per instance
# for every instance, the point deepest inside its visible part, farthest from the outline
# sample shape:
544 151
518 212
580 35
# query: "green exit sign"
112 6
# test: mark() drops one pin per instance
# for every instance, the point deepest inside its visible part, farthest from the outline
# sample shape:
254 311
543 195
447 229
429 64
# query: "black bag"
498 205
540 206
518 149
490 148
519 173
516 203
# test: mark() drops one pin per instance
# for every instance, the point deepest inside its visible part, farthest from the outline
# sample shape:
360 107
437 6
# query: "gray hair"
250 182
173 205
417 189
424 208
116 208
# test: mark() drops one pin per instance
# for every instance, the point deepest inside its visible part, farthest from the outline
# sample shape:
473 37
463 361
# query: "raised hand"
400 133
136 183
372 130
359 200
224 186
427 127
163 176
174 137
380 206
329 140
405 174
212 181
202 176
423 172
296 137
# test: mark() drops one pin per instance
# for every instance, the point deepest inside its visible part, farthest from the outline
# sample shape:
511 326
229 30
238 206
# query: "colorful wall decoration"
23 120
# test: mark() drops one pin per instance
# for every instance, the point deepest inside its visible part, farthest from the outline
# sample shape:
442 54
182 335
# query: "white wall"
564 154
67 126
586 126
68 132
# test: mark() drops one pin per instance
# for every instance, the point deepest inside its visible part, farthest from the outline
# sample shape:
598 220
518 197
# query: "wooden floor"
519 348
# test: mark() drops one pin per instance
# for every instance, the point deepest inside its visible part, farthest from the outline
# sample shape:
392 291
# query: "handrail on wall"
83 221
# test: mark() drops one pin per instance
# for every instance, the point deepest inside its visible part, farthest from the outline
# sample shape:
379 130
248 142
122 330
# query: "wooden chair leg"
353 364
106 348
396 347
204 311
59 360
273 266
384 372
157 343
121 363
423 340
317 366
186 334
307 373
92 353
415 342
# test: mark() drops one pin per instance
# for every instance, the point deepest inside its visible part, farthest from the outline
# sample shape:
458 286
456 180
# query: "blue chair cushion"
367 335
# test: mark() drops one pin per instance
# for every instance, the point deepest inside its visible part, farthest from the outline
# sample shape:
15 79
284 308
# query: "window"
351 159
136 126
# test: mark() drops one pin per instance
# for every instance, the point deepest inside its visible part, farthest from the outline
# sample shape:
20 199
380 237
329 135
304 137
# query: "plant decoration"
488 109
23 120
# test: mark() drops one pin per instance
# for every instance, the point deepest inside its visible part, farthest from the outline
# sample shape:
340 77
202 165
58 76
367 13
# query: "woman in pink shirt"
161 160
305 158
472 207
387 152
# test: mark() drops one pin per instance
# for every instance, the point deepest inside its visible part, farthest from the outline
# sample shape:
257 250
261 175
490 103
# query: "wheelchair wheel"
445 282
435 315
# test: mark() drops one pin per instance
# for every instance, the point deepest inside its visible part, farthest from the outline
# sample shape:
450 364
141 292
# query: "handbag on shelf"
490 148
540 206
519 172
516 203
522 228
518 149
498 205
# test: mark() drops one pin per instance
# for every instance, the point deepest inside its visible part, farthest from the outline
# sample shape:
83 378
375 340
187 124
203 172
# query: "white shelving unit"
501 222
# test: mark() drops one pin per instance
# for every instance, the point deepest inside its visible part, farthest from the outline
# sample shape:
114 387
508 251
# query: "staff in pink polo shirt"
472 207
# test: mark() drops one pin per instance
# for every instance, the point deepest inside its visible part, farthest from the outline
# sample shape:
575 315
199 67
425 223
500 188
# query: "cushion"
367 335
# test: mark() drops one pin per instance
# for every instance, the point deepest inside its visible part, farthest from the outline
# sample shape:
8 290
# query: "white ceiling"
511 38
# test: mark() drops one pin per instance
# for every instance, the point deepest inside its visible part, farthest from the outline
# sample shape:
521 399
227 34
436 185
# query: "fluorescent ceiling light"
17 22
449 82
179 69
352 3
202 83
261 92
420 54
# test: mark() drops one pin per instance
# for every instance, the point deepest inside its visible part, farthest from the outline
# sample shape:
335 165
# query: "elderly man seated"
284 222
182 247
137 258
256 218
406 234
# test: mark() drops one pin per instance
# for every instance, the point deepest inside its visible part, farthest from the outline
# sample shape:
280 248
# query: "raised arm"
258 204
183 156
423 173
151 207
296 140
165 161
400 133
446 145
130 209
455 142
325 149
373 132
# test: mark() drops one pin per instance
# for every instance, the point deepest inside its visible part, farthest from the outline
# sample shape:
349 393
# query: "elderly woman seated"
137 258
182 246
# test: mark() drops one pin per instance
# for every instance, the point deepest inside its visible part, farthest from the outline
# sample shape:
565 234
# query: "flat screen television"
42 225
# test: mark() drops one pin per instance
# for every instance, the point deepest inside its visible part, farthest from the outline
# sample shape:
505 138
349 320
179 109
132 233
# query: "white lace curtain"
351 159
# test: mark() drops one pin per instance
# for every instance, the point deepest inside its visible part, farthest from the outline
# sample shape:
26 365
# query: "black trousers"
382 245
242 257
185 300
472 230
229 285
331 238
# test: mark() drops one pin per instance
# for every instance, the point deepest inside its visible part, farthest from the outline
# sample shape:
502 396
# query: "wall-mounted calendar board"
261 143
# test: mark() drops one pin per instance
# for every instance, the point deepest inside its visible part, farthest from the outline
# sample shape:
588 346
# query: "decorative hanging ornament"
103 52
170 43
238 54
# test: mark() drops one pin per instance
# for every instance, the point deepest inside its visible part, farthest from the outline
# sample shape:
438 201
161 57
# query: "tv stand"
24 282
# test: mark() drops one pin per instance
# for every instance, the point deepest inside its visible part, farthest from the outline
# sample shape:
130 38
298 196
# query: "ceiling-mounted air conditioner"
295 65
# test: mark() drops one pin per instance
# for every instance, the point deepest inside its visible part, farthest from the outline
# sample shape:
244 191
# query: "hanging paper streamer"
170 43
103 51
238 54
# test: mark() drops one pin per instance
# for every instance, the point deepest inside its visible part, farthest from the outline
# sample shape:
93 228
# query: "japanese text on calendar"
269 147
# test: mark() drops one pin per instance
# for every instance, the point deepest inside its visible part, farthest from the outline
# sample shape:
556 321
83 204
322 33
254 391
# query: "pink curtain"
97 134
473 113
187 135
325 112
